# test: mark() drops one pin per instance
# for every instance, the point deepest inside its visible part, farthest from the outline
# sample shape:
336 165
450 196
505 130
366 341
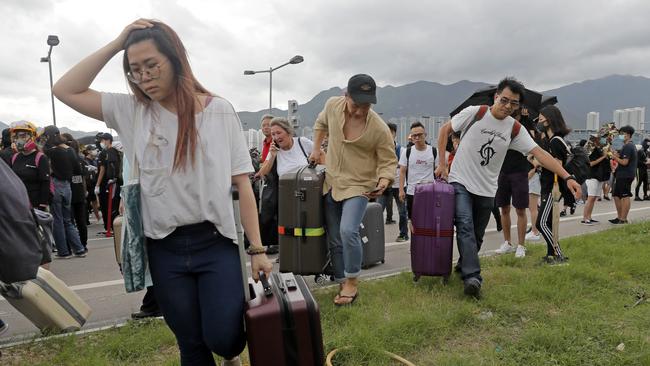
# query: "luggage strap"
433 232
297 231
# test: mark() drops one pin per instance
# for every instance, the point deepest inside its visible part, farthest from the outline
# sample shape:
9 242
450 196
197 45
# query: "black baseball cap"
362 89
51 131
106 136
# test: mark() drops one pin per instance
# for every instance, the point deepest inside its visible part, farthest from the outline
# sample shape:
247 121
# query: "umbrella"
548 100
533 99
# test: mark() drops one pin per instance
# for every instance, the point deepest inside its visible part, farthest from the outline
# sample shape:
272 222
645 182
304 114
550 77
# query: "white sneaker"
532 237
506 247
521 251
234 362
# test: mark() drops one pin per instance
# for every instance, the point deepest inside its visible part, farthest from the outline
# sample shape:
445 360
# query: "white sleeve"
118 112
240 158
402 158
460 121
523 142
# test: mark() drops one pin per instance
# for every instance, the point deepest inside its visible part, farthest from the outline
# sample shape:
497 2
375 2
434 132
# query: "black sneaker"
563 213
473 287
614 221
145 314
594 221
606 197
67 256
637 198
80 255
559 261
621 222
587 222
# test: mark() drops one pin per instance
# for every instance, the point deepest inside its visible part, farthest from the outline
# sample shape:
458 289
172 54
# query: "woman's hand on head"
138 24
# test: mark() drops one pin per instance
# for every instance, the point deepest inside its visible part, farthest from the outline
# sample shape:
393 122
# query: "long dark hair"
555 120
186 86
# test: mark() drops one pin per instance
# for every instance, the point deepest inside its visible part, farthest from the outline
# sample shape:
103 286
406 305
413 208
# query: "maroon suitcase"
283 323
433 230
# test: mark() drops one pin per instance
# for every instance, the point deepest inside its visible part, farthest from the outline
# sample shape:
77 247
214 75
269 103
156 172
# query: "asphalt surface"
97 279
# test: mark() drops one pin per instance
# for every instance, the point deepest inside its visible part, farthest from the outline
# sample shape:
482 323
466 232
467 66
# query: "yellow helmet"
23 126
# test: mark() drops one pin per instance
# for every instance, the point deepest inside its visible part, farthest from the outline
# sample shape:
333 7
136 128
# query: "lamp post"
294 60
51 41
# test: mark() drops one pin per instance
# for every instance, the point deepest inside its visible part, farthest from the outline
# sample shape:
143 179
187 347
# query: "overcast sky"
545 44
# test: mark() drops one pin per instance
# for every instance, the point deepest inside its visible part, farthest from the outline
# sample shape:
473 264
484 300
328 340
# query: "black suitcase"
372 235
301 221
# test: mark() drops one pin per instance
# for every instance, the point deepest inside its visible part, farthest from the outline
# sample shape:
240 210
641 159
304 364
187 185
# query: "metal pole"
49 63
270 89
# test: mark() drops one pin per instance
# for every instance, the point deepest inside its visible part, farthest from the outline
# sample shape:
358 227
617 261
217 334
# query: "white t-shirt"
420 169
200 193
483 147
289 161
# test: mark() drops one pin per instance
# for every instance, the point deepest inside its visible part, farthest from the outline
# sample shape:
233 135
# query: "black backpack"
577 162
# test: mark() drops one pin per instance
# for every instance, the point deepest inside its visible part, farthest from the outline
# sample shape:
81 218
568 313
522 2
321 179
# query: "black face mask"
540 127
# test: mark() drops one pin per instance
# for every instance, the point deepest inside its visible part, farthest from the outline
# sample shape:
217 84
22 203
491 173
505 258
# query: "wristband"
255 251
571 176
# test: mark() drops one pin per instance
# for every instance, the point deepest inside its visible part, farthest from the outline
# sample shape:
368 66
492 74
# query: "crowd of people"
65 179
510 159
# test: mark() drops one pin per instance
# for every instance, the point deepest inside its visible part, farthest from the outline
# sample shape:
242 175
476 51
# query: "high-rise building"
634 117
593 121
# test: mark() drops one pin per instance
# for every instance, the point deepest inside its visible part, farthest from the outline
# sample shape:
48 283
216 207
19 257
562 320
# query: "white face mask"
103 145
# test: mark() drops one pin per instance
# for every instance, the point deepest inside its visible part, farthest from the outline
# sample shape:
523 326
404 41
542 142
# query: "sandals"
352 297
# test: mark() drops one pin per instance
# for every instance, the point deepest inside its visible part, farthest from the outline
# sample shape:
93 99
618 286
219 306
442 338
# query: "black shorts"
515 186
409 204
622 187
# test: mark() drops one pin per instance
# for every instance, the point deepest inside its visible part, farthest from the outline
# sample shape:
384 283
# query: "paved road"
97 279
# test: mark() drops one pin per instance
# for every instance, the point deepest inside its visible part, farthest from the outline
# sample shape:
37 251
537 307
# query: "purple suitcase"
433 230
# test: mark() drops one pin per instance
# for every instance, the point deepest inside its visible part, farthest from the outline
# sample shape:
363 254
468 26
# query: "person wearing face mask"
30 165
624 175
599 164
109 163
642 172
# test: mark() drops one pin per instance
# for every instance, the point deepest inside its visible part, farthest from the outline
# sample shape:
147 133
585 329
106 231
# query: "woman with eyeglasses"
190 150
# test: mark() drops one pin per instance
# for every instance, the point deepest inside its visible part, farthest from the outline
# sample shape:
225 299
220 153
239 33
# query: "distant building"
593 121
634 117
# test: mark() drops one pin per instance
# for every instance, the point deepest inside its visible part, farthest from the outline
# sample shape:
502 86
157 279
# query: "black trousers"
641 178
80 215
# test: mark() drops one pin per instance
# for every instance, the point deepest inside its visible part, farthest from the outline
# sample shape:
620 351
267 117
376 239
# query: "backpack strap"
477 117
303 149
515 130
39 155
13 158
568 149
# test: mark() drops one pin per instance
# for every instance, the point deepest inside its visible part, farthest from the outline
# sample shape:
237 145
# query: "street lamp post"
51 41
294 60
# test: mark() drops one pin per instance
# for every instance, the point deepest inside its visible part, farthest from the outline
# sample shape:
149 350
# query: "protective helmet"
23 126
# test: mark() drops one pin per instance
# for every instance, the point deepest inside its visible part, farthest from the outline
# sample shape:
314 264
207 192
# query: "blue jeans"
198 280
471 218
387 200
343 222
64 231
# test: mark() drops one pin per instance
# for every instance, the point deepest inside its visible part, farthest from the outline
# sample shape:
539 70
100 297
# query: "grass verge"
530 314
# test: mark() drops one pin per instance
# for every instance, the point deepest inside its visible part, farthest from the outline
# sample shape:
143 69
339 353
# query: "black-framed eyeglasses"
505 101
152 72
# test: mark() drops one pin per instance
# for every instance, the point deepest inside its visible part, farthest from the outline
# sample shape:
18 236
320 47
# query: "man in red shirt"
266 130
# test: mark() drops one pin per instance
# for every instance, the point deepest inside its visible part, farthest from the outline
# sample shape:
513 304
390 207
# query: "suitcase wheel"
416 278
445 280
383 261
322 279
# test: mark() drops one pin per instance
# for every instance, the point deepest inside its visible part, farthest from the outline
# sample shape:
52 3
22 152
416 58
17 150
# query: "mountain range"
425 98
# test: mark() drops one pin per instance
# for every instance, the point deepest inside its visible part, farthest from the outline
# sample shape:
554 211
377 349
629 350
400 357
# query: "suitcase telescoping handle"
240 242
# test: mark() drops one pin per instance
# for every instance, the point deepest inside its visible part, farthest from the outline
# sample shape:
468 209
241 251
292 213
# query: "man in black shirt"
624 175
108 180
599 174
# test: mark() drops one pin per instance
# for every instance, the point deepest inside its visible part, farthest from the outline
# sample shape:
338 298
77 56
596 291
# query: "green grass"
530 314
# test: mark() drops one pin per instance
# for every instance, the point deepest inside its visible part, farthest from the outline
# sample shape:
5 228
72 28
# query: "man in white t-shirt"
417 164
484 142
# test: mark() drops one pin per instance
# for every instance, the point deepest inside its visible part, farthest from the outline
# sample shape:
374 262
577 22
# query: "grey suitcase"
301 221
372 235
47 302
